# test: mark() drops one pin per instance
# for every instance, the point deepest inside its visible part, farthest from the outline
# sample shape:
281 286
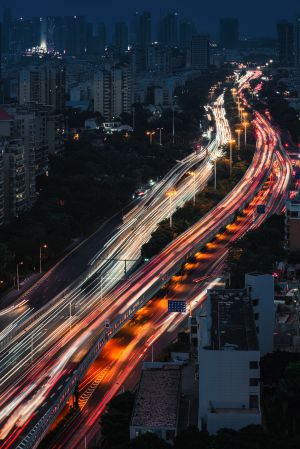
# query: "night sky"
257 17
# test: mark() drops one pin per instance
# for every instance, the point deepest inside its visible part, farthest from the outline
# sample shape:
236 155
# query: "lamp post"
18 276
160 133
193 174
241 114
150 134
45 246
215 174
245 124
238 131
173 120
170 195
231 142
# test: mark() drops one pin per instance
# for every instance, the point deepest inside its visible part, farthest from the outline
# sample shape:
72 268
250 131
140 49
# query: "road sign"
176 306
261 209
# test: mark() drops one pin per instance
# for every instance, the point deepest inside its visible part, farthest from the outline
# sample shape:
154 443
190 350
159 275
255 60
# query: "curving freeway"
46 355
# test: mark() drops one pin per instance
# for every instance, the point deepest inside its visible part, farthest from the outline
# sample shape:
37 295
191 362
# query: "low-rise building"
261 290
228 355
156 406
292 224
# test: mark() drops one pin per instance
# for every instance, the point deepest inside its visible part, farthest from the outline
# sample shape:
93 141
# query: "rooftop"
232 321
157 399
4 116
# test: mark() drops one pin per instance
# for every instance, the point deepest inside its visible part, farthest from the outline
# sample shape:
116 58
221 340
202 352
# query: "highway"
123 355
31 344
44 356
123 243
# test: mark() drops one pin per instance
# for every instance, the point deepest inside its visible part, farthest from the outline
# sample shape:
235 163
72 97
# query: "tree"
191 438
148 441
115 421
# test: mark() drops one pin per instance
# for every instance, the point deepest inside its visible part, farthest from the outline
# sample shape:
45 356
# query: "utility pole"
18 276
215 170
70 319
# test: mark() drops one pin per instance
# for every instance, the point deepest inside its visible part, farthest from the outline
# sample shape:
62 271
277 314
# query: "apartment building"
228 356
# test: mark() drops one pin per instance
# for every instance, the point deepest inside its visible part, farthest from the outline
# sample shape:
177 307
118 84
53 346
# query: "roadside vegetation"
189 214
96 176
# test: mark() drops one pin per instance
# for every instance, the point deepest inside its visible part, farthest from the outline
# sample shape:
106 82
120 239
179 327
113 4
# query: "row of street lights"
152 133
45 246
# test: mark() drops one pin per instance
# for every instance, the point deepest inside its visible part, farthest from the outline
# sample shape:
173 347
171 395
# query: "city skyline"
205 16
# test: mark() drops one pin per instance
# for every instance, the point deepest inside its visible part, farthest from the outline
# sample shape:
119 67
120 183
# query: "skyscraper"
187 30
75 35
200 52
285 43
297 43
6 29
229 33
144 29
168 29
121 36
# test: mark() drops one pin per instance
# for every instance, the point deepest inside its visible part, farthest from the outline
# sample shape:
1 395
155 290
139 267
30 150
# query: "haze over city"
257 19
149 225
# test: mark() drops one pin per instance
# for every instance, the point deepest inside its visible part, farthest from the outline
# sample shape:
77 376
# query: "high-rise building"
141 32
229 357
159 58
229 33
168 29
297 42
45 84
285 43
113 91
6 29
200 52
75 35
187 30
121 37
96 39
40 130
15 203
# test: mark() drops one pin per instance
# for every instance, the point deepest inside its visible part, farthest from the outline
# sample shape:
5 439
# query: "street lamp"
193 174
241 114
41 249
150 134
18 277
245 124
173 120
170 194
238 131
231 142
160 132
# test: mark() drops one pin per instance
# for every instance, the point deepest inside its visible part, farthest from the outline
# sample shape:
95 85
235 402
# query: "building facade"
285 43
200 52
228 356
113 92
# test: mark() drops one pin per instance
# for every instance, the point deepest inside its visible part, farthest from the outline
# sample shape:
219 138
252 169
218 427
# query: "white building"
113 92
292 223
228 355
261 290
